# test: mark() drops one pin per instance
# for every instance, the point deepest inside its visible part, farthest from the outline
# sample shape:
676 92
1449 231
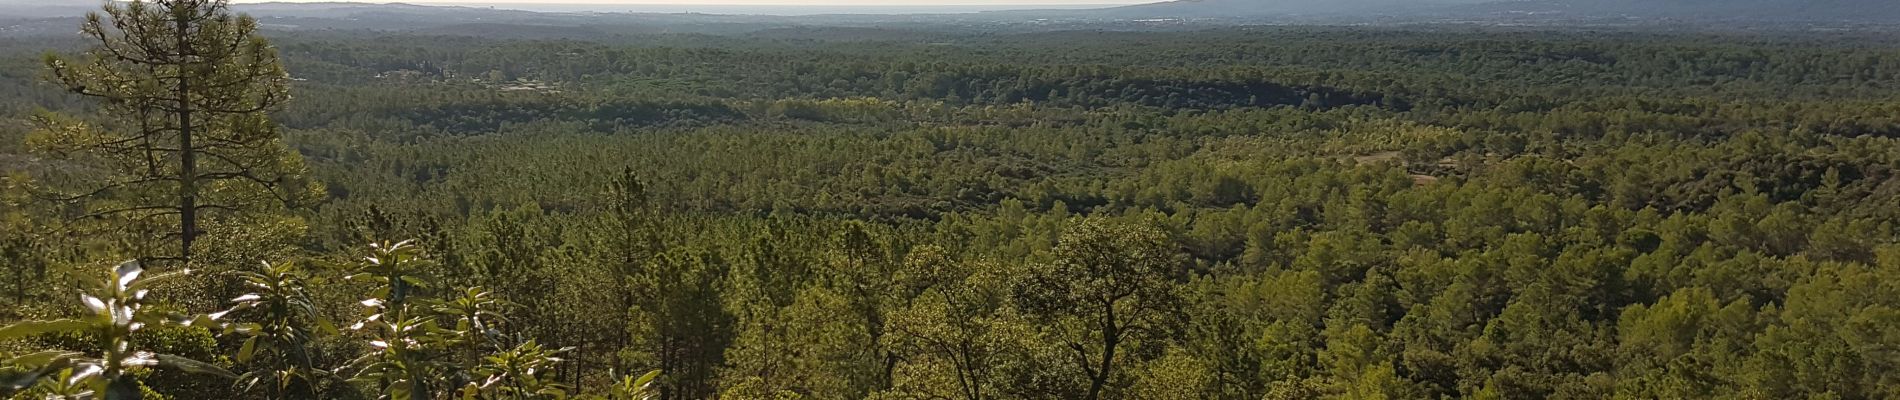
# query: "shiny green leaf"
24 329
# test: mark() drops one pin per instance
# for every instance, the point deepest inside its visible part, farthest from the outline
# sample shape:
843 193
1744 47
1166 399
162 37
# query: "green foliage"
287 323
1107 295
1274 212
517 373
118 310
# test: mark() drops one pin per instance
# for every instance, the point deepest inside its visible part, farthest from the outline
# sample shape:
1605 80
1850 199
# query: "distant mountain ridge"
45 8
1260 8
1712 10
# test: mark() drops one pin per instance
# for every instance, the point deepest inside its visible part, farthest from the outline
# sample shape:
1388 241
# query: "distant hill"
1278 8
346 9
1876 11
28 9
1887 11
848 34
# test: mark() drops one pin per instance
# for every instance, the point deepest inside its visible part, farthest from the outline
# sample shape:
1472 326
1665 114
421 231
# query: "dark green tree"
1108 293
186 87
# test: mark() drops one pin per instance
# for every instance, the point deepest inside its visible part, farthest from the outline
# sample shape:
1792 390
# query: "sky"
846 2
855 3
762 7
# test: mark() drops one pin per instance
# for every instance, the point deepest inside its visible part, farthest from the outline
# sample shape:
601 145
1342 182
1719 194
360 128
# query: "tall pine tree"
185 87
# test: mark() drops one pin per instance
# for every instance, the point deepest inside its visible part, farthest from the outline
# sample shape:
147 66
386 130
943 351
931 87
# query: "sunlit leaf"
24 329
127 272
249 349
142 359
41 358
646 381
93 303
83 373
192 366
161 278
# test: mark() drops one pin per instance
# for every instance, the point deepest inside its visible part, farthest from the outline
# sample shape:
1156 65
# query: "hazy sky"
847 2
774 2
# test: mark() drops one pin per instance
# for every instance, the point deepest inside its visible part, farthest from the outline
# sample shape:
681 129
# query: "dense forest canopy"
1246 213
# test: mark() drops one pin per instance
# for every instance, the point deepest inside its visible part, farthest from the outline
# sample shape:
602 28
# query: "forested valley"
831 213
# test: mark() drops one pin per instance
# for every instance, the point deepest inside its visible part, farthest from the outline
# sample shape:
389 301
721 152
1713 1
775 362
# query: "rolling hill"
1875 11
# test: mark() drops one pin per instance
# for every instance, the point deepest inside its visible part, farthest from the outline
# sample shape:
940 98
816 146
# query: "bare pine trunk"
187 157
